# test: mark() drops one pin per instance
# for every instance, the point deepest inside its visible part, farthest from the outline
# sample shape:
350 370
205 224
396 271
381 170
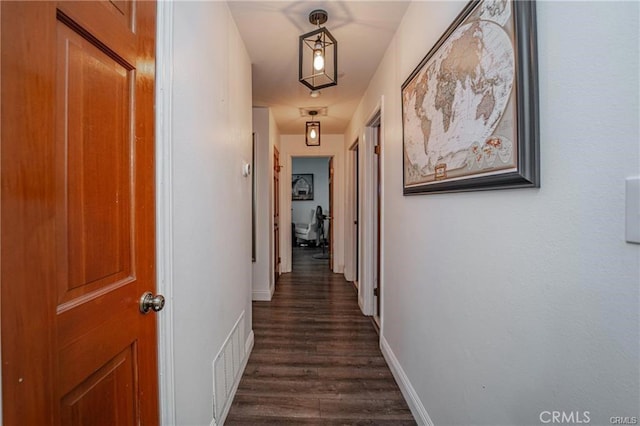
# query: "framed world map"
470 108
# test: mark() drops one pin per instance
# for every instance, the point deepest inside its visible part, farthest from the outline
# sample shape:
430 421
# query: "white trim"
366 222
164 211
287 154
367 218
248 347
410 395
381 199
350 239
262 295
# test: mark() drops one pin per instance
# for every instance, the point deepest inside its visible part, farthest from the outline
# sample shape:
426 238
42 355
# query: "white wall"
262 267
319 168
294 146
211 200
267 136
499 305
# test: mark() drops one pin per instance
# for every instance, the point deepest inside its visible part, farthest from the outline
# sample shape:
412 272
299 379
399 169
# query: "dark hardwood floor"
316 358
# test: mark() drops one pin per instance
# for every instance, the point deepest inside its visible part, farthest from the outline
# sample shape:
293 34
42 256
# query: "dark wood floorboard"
316 359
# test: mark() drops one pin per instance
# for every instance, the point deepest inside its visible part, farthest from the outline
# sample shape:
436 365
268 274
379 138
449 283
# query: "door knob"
148 302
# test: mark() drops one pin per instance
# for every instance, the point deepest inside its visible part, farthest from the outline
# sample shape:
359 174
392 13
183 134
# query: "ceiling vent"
306 111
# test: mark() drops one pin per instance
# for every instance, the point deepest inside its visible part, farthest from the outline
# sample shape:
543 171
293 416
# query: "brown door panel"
78 244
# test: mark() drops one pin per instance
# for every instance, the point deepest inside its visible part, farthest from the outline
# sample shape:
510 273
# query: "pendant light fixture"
312 131
318 55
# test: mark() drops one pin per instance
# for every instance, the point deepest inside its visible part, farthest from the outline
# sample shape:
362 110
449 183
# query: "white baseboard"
415 405
262 295
248 347
360 303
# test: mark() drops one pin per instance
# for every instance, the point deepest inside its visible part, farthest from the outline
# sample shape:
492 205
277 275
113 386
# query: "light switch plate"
632 232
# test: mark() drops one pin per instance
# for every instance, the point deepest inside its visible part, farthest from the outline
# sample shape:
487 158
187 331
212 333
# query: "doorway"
355 211
377 201
366 212
311 206
276 215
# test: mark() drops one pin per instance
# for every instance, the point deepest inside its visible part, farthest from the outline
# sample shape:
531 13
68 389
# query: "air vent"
305 112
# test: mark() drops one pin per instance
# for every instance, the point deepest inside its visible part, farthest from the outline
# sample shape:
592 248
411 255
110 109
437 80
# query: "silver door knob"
149 302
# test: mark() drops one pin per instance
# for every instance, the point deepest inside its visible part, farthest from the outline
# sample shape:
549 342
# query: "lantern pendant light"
318 55
312 131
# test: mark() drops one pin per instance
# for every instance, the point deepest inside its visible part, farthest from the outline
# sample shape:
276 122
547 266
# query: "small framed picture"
301 187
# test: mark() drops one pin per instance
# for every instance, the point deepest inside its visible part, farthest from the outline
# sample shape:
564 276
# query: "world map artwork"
458 109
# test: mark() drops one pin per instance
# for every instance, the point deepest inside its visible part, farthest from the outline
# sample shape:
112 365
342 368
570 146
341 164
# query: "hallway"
316 359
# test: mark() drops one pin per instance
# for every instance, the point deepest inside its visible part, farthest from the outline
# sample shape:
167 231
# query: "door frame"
376 125
276 213
287 152
332 181
352 235
330 236
368 212
164 216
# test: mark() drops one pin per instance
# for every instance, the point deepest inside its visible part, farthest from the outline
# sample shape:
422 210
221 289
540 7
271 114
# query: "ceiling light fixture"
312 131
318 54
314 93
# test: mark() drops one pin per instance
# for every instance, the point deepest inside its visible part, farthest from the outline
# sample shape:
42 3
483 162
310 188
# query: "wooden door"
356 221
77 213
331 214
276 214
378 203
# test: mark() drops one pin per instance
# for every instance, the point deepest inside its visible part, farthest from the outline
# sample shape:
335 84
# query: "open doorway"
355 212
374 131
366 210
311 202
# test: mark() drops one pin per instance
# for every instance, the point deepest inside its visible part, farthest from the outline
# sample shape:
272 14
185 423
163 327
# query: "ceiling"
270 31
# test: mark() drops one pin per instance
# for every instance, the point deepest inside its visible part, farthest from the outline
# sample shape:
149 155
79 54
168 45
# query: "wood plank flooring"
316 358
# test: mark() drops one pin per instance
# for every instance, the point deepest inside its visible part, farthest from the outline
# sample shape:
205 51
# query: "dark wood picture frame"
521 110
302 187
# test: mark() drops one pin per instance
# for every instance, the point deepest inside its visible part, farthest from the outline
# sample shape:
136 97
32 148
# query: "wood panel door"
276 215
77 213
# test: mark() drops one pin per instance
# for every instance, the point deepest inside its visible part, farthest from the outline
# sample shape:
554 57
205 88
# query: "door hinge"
375 291
279 259
376 149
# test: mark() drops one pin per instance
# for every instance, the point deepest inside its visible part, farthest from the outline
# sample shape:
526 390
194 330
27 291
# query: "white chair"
307 231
